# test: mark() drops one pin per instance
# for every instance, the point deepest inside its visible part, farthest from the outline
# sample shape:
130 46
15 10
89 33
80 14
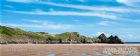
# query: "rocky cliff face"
103 38
115 39
112 39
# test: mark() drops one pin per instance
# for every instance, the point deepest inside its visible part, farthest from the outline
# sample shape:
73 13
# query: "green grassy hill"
8 33
16 34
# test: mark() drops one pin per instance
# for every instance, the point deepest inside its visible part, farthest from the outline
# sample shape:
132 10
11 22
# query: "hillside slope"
16 35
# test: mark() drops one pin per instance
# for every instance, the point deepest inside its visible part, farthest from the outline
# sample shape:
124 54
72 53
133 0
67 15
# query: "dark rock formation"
112 39
103 38
115 40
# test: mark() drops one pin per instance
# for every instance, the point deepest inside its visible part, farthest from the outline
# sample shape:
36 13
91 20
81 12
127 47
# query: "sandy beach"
70 50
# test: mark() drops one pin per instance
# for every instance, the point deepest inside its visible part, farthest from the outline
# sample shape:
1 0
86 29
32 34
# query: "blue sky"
88 17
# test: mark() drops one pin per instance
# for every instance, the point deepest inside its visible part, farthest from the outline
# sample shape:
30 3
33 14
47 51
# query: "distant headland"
10 35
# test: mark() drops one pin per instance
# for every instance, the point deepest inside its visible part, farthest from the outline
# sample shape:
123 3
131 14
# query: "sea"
131 42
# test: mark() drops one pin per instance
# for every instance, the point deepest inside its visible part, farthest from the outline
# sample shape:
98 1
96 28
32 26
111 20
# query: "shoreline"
81 44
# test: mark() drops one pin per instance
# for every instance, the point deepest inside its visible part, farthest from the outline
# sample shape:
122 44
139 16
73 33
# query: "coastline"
96 44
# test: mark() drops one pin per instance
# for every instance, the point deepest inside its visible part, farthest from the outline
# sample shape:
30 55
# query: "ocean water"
132 43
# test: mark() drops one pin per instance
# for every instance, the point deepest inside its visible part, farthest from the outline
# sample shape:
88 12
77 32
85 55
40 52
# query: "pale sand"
69 49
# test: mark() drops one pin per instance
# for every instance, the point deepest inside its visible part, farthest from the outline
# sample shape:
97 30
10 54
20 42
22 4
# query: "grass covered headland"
10 35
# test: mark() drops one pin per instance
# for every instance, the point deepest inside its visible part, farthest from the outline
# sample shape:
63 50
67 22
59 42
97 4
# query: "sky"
88 17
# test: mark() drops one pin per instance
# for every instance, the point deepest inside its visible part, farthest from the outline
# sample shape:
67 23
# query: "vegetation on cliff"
16 35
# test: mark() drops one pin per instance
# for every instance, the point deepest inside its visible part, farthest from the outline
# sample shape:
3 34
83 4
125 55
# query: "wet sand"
70 50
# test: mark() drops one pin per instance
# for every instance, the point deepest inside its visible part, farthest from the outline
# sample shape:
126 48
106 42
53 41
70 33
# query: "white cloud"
32 21
129 2
129 37
44 24
131 20
98 11
9 6
126 2
50 25
104 23
60 26
21 1
40 26
94 8
71 13
106 0
51 9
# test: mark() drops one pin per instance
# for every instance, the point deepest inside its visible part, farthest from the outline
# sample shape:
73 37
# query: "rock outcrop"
115 40
112 39
103 38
